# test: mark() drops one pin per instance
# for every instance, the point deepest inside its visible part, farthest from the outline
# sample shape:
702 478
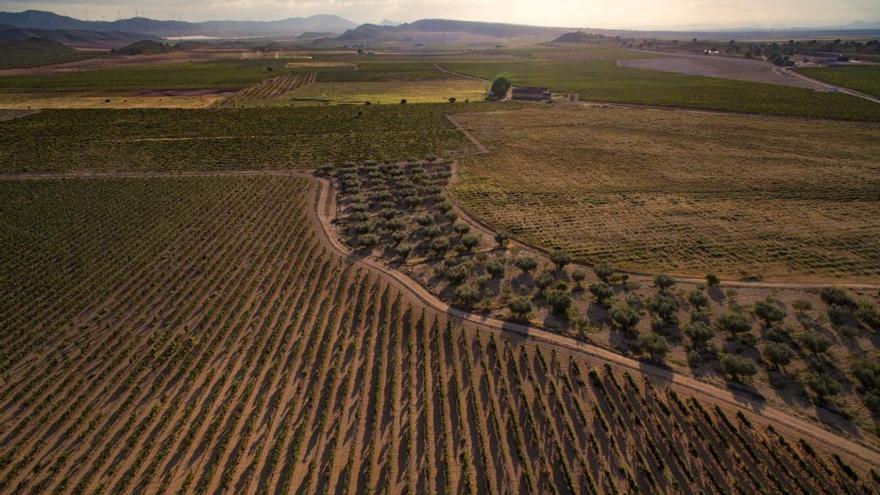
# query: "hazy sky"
575 13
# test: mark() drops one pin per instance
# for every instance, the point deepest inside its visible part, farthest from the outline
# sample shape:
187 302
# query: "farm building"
531 94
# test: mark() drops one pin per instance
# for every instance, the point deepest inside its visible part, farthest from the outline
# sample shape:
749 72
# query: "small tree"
738 367
545 280
604 272
698 299
836 296
654 345
814 342
466 295
502 239
470 242
777 354
822 385
578 276
602 292
712 280
769 311
457 274
560 259
452 99
664 282
461 228
495 268
500 87
735 323
664 306
624 318
520 307
525 263
700 333
440 245
559 300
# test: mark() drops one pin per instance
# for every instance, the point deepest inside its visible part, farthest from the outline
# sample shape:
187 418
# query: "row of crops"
269 88
242 356
245 138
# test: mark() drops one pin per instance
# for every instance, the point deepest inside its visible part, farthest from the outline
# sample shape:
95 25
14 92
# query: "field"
256 138
737 68
619 186
426 91
88 99
865 78
233 351
605 81
397 213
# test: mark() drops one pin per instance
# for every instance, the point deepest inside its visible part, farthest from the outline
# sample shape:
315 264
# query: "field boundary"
481 149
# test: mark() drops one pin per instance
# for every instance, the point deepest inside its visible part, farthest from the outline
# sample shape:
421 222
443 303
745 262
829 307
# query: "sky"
609 14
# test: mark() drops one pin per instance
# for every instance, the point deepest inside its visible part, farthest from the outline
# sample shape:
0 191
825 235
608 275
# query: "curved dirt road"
762 413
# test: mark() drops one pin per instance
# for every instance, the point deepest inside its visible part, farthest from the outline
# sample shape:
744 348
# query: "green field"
36 52
865 78
187 75
256 138
604 81
394 71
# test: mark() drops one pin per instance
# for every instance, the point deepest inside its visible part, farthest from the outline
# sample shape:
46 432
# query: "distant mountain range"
36 19
374 32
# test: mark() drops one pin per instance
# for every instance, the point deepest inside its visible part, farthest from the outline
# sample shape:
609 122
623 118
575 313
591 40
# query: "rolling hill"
35 19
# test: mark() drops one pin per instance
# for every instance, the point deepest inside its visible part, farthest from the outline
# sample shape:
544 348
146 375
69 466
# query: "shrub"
461 228
604 272
821 384
525 263
424 220
698 299
367 240
432 231
778 355
495 268
837 296
403 250
470 242
769 311
839 314
440 245
358 207
624 318
738 367
559 300
457 274
869 314
602 292
520 307
502 239
802 305
814 342
665 306
734 323
654 345
712 280
700 333
545 280
867 372
664 282
466 295
560 258
578 276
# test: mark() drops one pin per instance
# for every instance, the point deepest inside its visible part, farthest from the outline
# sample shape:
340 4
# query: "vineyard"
223 139
619 186
234 351
268 89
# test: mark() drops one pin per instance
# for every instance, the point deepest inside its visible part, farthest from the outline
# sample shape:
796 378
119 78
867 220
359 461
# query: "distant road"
827 86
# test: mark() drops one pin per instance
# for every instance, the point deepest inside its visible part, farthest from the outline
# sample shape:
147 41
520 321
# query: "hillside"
578 37
73 37
35 52
47 20
376 32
